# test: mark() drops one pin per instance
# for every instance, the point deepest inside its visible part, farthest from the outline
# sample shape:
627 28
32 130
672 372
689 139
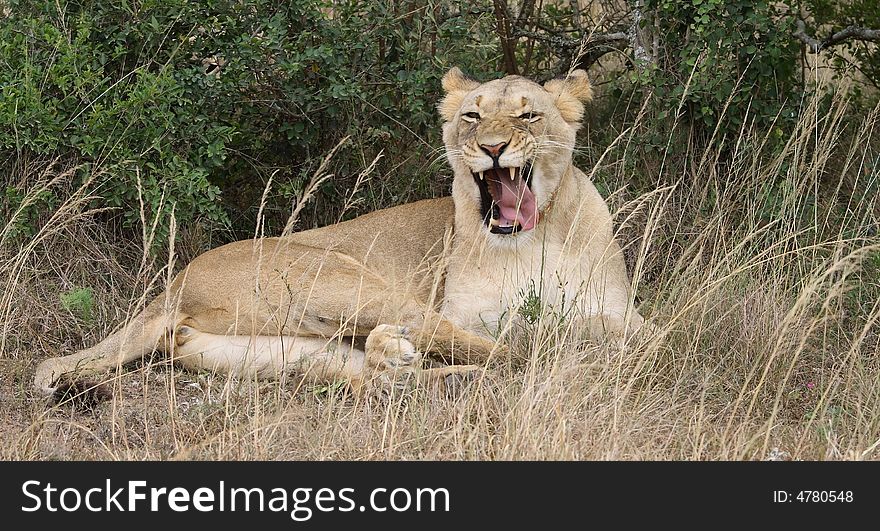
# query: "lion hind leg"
318 359
147 332
388 358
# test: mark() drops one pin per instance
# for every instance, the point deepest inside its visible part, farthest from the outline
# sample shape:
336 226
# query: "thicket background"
195 105
735 141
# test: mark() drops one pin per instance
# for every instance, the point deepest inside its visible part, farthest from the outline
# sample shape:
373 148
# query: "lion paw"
388 347
393 358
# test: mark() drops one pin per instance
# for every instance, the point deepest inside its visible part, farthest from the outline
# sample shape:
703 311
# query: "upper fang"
481 176
512 173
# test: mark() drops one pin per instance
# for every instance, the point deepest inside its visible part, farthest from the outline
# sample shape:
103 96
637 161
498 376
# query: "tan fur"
571 253
570 94
364 299
456 85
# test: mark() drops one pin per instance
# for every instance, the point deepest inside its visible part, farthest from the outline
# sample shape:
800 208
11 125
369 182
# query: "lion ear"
571 93
456 85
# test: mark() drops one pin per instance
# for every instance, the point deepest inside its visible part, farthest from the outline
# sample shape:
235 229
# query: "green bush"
201 102
724 62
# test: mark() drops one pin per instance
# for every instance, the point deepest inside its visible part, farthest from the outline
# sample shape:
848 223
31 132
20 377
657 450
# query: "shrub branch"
849 33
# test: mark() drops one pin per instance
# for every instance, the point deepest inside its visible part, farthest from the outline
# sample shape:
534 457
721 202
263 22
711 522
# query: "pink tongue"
517 203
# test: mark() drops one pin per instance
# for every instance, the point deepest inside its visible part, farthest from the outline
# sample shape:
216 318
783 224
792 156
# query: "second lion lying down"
370 298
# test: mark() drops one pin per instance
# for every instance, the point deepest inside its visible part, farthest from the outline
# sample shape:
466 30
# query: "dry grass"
764 303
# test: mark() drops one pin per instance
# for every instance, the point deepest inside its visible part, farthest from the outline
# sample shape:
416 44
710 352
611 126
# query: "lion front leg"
441 339
394 362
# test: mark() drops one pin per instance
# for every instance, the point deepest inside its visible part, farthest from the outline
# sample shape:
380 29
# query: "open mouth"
507 203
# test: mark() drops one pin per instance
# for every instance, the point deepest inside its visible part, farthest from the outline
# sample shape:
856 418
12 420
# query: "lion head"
510 142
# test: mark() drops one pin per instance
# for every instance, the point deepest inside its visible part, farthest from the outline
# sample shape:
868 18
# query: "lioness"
371 297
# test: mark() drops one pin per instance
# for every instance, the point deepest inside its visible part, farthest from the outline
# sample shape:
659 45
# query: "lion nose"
494 150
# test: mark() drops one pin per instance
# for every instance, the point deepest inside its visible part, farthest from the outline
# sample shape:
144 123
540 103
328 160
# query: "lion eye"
471 116
529 117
